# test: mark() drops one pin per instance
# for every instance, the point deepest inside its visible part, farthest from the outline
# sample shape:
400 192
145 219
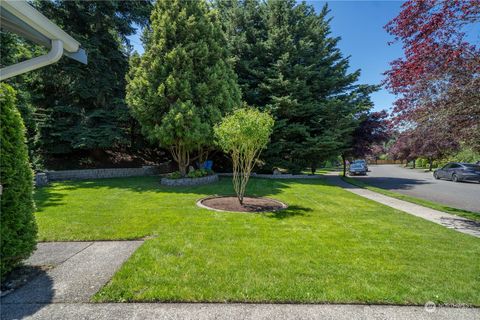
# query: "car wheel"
435 175
455 178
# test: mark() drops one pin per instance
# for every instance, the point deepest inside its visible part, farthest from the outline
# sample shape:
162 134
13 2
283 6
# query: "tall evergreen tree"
245 25
184 82
14 49
82 106
18 229
299 75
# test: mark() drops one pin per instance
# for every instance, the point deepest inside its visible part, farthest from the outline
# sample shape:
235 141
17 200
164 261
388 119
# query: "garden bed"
250 204
184 182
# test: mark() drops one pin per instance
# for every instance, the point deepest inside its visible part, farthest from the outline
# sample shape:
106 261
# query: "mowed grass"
328 246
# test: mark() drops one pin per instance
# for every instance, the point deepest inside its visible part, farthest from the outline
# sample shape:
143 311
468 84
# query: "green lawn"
329 246
426 203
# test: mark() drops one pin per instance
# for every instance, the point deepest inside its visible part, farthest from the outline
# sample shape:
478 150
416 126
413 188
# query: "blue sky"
360 25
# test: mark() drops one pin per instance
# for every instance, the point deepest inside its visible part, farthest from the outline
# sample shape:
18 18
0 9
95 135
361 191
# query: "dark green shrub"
17 223
193 174
174 175
199 173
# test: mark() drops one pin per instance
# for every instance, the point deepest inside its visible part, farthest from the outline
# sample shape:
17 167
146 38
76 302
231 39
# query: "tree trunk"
430 164
313 168
182 157
344 165
183 169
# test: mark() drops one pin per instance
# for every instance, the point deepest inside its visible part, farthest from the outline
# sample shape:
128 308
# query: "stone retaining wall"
189 181
43 178
277 176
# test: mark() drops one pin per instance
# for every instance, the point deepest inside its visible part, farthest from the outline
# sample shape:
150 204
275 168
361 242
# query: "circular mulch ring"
250 204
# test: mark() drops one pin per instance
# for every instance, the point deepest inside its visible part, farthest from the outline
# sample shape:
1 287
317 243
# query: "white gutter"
19 17
52 56
28 14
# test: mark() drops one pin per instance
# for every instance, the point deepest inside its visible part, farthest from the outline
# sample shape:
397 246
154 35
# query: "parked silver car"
363 162
458 171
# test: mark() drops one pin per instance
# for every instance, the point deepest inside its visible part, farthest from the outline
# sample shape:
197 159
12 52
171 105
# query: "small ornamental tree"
17 224
243 135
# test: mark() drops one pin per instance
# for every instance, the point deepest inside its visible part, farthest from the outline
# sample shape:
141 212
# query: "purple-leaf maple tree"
438 80
372 131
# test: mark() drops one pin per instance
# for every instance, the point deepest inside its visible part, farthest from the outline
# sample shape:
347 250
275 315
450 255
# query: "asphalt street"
421 184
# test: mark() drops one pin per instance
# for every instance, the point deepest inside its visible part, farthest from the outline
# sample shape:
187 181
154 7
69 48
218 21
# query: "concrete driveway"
420 184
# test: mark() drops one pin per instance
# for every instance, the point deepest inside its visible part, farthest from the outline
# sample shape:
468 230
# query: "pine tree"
246 29
301 77
82 106
184 82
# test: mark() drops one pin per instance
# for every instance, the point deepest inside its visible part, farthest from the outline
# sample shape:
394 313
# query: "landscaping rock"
189 181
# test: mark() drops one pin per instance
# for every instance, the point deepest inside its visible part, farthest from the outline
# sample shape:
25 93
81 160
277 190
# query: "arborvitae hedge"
17 223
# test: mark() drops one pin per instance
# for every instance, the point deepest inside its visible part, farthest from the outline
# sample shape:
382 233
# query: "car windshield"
470 166
356 165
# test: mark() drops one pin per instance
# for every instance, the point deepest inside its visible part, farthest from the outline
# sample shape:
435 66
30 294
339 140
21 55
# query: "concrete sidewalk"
80 270
448 220
140 311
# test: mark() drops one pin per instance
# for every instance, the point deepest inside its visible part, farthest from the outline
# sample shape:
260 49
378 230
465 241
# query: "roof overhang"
19 17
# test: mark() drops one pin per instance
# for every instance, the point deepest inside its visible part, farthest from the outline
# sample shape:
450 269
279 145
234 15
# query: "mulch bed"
250 204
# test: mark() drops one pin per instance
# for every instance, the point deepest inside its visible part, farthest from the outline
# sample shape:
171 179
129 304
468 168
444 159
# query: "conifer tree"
299 75
18 229
82 107
184 82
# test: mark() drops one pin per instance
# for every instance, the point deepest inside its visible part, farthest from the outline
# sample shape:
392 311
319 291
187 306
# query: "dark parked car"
357 168
458 171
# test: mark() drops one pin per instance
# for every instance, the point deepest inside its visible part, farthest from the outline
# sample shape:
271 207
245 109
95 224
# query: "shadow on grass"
289 212
53 195
49 197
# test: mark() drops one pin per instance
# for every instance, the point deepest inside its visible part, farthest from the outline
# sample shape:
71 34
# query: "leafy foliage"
243 135
17 224
198 173
424 142
438 79
184 82
373 130
14 49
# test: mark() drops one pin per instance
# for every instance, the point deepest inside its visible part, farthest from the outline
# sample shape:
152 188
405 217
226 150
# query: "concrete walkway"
79 270
200 311
82 268
448 220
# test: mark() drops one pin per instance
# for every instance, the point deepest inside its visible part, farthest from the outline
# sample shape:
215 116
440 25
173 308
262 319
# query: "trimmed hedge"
18 230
